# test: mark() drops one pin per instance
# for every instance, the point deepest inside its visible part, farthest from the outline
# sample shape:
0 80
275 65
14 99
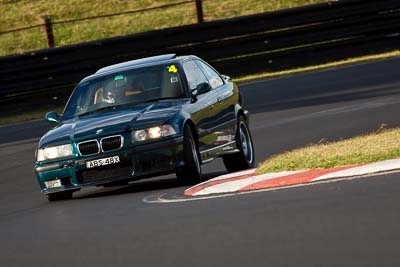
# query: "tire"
191 171
244 159
65 195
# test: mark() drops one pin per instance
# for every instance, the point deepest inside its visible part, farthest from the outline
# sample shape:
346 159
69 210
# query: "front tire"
244 159
65 195
191 171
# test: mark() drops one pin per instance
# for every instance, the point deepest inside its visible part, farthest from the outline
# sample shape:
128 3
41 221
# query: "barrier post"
199 8
49 31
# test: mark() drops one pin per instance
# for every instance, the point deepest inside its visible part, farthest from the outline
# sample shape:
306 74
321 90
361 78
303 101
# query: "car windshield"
129 87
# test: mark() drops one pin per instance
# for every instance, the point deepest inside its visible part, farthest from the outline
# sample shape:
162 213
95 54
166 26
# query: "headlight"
54 152
152 133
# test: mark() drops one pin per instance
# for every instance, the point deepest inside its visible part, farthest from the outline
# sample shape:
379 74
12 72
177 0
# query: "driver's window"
212 76
193 74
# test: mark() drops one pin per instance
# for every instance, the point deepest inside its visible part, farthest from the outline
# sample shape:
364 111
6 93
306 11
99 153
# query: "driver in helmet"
116 93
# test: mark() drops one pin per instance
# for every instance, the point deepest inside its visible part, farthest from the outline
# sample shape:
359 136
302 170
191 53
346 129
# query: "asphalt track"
343 223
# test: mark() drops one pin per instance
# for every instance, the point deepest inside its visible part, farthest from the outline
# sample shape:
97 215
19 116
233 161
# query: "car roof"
138 62
131 63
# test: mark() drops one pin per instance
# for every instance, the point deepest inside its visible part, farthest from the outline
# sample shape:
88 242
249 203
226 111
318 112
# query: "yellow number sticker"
173 69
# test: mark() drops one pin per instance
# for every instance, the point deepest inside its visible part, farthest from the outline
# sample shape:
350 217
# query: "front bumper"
137 161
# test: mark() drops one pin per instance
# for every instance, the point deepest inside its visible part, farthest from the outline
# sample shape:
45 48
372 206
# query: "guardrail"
263 42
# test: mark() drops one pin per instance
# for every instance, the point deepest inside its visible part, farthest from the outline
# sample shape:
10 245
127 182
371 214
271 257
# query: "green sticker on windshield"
172 69
119 77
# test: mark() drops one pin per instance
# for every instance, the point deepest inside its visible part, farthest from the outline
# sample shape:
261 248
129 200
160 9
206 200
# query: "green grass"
377 146
22 13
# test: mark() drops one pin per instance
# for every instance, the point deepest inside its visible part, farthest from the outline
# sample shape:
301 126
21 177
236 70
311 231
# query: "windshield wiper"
100 109
160 98
122 105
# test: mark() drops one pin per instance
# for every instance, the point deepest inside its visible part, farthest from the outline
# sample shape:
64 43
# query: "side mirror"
200 89
53 117
225 77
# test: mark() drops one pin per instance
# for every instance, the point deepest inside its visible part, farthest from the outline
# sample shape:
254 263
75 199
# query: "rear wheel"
60 196
244 159
191 171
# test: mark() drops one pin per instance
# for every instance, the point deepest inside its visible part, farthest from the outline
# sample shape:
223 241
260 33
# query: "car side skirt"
210 154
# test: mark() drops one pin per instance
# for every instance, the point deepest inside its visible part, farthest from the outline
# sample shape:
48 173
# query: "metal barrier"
263 42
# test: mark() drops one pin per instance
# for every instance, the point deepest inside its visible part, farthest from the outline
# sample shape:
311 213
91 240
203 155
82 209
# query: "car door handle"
219 99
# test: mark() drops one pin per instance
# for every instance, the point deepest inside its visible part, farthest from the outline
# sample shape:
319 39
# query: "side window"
194 75
213 77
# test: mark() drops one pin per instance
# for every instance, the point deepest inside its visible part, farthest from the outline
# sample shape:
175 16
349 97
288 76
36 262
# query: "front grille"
111 143
89 147
120 171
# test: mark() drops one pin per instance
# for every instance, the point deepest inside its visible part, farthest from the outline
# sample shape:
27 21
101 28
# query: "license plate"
102 162
53 183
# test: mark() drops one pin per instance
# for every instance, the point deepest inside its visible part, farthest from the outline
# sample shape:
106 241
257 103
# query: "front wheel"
191 171
60 196
244 159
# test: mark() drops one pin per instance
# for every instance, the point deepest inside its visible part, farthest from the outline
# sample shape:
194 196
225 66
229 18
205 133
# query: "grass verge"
377 146
23 13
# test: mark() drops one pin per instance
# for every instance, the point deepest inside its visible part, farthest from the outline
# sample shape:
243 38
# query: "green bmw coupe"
142 118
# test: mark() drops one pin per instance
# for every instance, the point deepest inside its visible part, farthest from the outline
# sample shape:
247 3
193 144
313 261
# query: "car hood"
109 122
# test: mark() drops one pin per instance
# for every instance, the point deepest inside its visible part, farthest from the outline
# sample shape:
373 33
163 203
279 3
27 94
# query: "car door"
207 118
225 105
